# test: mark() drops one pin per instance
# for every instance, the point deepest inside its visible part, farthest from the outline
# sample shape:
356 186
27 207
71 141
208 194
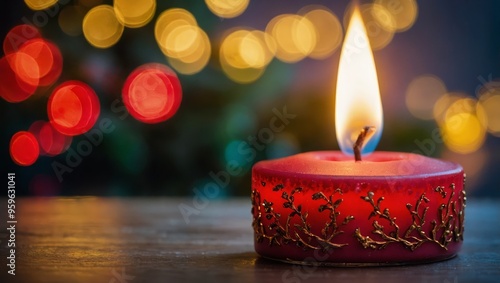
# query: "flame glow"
358 101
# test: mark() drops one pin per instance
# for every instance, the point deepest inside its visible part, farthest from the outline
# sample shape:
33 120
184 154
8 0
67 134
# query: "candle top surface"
378 164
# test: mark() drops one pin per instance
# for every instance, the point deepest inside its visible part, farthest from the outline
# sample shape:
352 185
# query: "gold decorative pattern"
447 225
284 234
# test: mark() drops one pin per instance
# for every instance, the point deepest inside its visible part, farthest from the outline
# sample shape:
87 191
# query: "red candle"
383 208
391 208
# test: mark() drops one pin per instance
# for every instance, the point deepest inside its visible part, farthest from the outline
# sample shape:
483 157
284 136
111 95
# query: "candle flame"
357 103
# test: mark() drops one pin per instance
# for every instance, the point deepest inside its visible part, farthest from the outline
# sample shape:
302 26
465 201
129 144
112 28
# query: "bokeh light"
39 4
17 86
17 36
152 93
26 68
70 19
265 48
490 103
36 127
48 60
463 133
246 49
227 8
175 16
295 37
189 68
421 95
134 14
327 28
185 44
189 45
24 148
244 76
101 28
404 13
377 21
182 41
244 54
463 127
73 108
467 105
51 141
442 104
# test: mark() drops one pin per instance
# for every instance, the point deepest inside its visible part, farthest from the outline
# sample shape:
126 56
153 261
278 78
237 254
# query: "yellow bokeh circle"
490 103
134 14
463 127
442 104
244 54
244 76
422 94
169 21
247 49
404 13
189 63
186 46
182 41
327 28
295 37
227 8
39 4
101 28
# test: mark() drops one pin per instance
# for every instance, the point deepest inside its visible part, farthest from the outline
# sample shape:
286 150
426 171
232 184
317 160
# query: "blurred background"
238 63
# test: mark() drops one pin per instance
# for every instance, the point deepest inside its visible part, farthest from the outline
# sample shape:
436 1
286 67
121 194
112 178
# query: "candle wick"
365 134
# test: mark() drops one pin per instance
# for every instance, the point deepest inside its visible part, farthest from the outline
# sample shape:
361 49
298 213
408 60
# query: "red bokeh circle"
24 149
48 58
51 141
17 36
18 85
73 108
152 93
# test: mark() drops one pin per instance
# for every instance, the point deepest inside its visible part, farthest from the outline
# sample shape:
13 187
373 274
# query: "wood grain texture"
148 240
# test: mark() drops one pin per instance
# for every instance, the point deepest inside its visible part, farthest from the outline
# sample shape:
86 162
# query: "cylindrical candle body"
391 208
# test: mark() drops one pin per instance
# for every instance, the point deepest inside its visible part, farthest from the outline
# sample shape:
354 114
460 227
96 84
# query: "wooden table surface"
148 240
